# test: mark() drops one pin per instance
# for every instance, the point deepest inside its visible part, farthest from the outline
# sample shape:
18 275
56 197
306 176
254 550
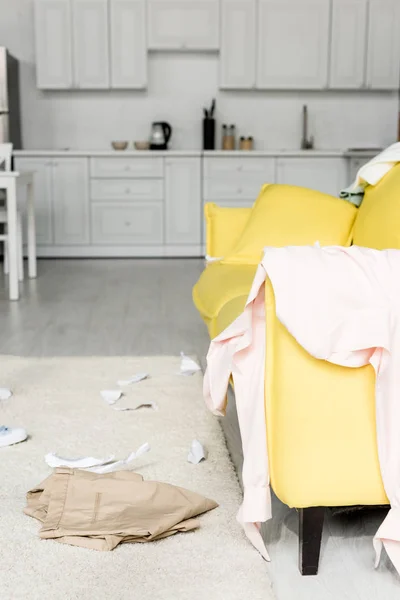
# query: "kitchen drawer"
126 167
124 223
127 189
234 187
220 167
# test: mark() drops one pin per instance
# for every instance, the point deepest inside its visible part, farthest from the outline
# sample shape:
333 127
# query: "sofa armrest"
224 226
320 425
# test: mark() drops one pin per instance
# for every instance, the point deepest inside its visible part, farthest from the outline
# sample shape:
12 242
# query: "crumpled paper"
5 393
197 453
138 404
95 465
188 365
134 379
111 396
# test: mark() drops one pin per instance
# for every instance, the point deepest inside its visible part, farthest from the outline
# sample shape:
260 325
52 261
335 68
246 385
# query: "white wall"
179 86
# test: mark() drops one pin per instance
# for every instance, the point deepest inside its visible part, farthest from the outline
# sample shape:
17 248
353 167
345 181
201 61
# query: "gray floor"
144 307
104 307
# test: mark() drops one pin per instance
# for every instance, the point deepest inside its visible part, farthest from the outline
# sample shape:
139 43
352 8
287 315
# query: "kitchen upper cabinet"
293 43
383 53
183 201
128 44
42 179
183 24
91 44
328 175
238 44
53 41
71 201
348 44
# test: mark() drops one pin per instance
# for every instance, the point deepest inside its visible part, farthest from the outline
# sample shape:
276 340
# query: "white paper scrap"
95 465
5 393
133 379
138 404
76 463
111 396
197 453
109 468
188 365
212 259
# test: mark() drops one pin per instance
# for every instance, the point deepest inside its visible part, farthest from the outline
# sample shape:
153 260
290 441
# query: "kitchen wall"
179 86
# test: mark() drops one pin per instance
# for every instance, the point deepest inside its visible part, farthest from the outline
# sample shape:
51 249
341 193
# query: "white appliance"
10 120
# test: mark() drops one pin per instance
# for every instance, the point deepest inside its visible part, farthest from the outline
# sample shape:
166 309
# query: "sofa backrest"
378 220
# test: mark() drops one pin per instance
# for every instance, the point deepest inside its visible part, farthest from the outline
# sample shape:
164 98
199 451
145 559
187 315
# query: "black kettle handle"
167 131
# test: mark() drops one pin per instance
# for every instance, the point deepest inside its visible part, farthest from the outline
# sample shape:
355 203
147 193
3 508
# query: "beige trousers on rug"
101 511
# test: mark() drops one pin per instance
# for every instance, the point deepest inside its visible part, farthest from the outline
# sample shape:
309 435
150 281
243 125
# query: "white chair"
5 164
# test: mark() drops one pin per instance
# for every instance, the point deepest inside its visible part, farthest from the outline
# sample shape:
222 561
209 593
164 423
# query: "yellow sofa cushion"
378 221
224 227
219 284
286 215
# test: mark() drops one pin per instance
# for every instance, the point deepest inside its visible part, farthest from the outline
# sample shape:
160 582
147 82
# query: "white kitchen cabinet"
328 175
383 53
183 24
348 44
128 44
293 43
127 189
70 201
90 44
236 179
42 169
126 223
238 44
53 42
182 201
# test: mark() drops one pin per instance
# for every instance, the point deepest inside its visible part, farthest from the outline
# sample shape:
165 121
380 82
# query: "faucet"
306 143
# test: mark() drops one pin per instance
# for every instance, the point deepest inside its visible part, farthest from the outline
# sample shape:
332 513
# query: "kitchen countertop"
208 153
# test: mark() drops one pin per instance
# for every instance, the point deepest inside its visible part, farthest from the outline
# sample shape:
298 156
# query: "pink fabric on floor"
347 311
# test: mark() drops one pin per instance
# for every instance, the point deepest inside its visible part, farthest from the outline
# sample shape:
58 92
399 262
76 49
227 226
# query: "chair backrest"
5 156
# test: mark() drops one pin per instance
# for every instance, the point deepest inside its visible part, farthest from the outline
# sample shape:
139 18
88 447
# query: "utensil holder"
208 134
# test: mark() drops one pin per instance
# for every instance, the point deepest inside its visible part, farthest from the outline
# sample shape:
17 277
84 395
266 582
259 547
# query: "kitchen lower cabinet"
328 175
127 223
140 204
71 201
183 201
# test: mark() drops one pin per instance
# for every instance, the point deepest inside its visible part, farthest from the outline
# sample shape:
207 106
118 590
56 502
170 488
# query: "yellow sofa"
320 417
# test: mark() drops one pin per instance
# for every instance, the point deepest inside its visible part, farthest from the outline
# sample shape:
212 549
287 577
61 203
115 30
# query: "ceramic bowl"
141 145
119 145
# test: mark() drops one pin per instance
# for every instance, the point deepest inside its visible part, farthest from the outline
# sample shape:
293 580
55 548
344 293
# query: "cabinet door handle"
127 190
127 168
127 223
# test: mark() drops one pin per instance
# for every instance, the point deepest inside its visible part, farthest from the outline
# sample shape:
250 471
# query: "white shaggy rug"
58 402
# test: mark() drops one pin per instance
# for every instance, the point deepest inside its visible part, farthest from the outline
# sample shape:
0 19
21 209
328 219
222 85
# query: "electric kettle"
160 135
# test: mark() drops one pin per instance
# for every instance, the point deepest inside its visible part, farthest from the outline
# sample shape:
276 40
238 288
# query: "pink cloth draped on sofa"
347 311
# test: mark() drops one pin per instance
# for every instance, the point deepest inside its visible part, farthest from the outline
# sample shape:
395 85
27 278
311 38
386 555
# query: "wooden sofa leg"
311 521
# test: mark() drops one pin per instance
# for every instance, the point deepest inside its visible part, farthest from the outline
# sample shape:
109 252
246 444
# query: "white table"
11 181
